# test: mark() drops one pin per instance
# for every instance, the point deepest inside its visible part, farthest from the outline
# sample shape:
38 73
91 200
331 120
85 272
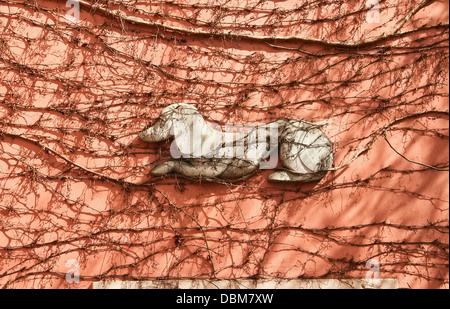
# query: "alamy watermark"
73 14
373 274
248 142
73 274
373 14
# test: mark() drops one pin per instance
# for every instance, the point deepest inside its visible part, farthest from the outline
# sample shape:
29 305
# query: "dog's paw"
279 176
163 169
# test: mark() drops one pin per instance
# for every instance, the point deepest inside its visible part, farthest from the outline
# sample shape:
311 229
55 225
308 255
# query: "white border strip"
249 284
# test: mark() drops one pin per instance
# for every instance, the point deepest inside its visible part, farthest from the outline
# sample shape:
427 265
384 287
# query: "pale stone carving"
203 151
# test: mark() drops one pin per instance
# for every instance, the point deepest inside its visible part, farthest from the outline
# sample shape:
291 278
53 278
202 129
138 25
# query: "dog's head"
170 118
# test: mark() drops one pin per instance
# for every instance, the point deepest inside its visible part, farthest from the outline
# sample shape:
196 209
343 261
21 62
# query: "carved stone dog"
201 151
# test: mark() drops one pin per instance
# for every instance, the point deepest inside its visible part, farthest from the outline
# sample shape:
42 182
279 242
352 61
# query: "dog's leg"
305 153
196 169
286 176
239 169
163 169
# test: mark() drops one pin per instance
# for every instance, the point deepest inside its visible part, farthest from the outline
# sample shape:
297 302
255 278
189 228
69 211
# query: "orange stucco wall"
74 178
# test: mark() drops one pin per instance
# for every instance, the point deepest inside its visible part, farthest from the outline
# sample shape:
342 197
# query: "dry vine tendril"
74 178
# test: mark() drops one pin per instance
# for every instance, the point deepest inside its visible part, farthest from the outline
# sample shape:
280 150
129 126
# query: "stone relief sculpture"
203 151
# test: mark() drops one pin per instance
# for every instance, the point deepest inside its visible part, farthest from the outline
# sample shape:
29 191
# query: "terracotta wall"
74 184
